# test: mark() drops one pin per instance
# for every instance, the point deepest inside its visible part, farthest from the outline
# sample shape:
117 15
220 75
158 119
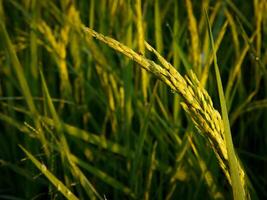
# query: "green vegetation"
131 99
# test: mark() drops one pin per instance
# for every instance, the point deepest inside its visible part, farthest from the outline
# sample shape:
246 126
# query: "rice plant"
133 99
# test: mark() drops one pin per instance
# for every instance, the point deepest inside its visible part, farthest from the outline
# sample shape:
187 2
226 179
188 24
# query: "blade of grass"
54 180
238 189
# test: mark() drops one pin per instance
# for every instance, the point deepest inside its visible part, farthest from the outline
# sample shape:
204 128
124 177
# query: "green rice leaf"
54 180
238 189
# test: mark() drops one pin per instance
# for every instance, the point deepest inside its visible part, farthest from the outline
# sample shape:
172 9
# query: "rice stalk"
192 26
197 102
141 45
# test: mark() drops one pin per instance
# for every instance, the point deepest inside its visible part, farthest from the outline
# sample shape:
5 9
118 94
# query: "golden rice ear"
197 102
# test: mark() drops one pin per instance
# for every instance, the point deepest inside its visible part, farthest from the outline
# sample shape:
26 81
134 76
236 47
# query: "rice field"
131 99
